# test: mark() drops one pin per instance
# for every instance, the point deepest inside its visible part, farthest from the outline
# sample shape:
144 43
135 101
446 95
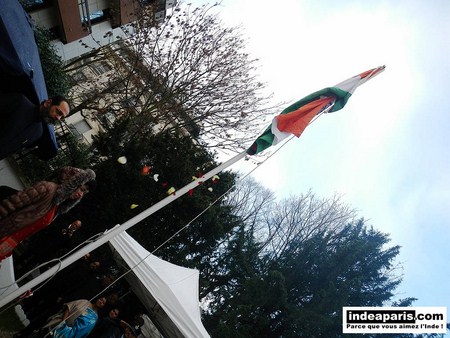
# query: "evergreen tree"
175 160
350 267
56 80
301 292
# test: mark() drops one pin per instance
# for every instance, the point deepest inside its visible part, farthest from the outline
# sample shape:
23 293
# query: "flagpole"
109 234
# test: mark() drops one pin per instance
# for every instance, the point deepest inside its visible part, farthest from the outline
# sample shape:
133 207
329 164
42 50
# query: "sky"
387 152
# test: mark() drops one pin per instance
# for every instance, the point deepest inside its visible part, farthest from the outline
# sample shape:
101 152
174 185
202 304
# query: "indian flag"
295 118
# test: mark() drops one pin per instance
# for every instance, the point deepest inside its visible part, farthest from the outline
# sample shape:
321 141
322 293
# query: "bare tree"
251 201
277 224
187 72
298 218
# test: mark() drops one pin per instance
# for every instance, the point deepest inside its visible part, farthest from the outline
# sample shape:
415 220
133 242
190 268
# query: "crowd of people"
83 318
24 213
79 302
82 302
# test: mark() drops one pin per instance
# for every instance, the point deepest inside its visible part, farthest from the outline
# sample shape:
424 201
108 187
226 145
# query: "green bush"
74 153
56 80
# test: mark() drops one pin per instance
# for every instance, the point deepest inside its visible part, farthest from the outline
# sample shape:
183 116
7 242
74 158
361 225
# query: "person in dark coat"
22 123
108 327
62 241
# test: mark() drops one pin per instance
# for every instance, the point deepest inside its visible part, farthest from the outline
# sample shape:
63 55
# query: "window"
129 102
100 68
79 128
88 19
31 5
79 77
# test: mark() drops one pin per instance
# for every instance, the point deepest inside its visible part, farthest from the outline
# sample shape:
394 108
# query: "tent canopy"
160 284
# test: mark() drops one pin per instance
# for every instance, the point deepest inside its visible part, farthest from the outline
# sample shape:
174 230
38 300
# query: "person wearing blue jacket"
23 123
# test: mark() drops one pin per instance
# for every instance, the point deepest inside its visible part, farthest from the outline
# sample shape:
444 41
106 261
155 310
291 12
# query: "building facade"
82 25
120 84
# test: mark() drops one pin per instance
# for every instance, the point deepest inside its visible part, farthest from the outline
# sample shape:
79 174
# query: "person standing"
109 326
77 319
22 123
31 210
74 226
63 240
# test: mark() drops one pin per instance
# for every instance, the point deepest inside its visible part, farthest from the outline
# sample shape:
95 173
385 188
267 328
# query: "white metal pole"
109 234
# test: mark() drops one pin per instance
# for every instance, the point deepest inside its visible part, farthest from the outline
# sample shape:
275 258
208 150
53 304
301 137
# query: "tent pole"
109 234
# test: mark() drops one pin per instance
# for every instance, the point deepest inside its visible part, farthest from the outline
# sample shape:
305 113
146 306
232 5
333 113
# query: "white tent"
162 284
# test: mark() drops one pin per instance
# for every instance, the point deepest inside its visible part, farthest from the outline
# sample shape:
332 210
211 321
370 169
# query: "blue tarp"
20 66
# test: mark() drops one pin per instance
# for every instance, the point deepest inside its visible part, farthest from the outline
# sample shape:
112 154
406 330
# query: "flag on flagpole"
295 118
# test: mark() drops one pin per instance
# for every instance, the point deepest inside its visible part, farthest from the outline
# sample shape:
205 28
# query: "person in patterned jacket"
25 212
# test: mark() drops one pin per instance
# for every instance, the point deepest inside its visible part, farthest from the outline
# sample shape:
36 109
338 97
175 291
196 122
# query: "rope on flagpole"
59 260
105 234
